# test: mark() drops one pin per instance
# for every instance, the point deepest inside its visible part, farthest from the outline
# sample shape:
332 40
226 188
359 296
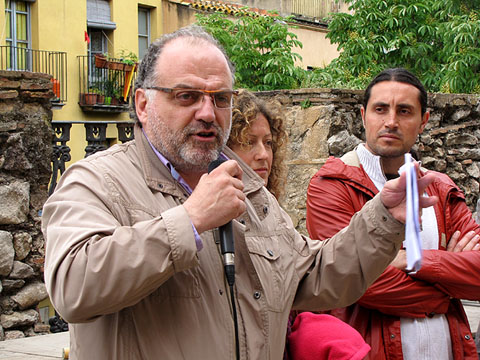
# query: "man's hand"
400 261
217 198
393 195
468 242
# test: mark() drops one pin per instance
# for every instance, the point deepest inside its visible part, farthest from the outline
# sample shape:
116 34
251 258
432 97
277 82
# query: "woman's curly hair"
246 106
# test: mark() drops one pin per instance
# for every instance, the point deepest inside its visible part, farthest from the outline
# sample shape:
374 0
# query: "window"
17 18
99 27
98 41
143 31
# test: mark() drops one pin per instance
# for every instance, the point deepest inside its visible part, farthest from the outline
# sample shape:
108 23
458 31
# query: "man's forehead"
184 56
387 91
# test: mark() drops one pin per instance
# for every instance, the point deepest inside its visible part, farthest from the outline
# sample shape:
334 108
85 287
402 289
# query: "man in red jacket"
404 314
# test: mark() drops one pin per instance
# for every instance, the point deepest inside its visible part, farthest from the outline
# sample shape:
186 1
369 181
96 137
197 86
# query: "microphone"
227 247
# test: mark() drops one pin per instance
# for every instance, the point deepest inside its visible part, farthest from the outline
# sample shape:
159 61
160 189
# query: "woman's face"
258 154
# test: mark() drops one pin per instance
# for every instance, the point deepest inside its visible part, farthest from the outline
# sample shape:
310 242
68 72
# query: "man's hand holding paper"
394 198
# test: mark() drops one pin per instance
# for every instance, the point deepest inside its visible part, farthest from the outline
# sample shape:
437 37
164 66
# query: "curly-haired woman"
259 138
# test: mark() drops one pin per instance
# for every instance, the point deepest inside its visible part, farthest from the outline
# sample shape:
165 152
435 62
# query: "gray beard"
185 154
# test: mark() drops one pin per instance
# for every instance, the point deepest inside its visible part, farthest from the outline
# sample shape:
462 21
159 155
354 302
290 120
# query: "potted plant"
117 97
100 95
109 89
130 59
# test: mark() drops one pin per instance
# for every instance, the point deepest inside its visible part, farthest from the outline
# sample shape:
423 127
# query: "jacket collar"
156 175
348 169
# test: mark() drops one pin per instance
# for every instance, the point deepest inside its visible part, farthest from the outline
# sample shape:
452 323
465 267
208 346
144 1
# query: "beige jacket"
123 269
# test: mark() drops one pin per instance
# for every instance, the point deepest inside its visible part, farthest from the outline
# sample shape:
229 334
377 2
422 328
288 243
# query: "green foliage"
306 103
128 57
439 41
261 47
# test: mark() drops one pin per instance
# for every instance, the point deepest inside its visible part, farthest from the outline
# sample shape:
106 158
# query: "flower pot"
129 67
100 99
100 62
90 98
115 65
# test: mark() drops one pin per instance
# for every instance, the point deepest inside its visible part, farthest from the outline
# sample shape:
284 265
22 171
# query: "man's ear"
362 112
141 102
425 118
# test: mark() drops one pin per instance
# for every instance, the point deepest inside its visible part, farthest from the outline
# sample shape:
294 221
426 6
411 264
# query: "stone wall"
25 155
327 122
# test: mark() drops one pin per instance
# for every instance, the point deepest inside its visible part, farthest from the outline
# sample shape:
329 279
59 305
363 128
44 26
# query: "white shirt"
422 338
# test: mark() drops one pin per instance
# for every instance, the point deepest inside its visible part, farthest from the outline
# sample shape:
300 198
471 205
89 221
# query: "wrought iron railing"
54 63
95 134
105 84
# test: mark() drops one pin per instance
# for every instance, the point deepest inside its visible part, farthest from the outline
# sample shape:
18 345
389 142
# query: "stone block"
35 85
7 253
19 319
461 139
15 202
441 165
342 142
21 271
14 334
36 76
460 114
37 95
41 328
30 295
9 84
473 171
8 126
12 285
16 155
8 94
22 243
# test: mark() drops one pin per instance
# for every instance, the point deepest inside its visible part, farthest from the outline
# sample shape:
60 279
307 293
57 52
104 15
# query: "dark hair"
147 76
246 106
400 75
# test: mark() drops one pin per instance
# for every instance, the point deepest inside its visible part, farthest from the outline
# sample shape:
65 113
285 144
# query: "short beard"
182 150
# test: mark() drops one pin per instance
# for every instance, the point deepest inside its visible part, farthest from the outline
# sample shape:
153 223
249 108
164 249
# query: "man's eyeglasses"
222 99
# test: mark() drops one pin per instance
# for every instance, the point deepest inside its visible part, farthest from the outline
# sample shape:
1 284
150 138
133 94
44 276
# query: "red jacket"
336 192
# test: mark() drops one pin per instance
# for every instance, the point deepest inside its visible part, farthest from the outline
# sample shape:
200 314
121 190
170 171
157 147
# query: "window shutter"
98 15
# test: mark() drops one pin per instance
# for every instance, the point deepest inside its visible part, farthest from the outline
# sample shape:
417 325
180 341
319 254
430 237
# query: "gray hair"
147 75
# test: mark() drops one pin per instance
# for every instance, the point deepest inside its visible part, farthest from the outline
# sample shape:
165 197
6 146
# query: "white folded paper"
412 225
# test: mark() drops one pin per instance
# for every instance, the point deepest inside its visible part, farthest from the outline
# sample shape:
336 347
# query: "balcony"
105 84
54 63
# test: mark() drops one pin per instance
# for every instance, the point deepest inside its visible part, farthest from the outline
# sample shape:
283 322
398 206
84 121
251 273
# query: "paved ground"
44 347
48 347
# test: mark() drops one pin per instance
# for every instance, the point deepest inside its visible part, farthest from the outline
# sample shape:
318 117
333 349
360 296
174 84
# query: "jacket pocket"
266 255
